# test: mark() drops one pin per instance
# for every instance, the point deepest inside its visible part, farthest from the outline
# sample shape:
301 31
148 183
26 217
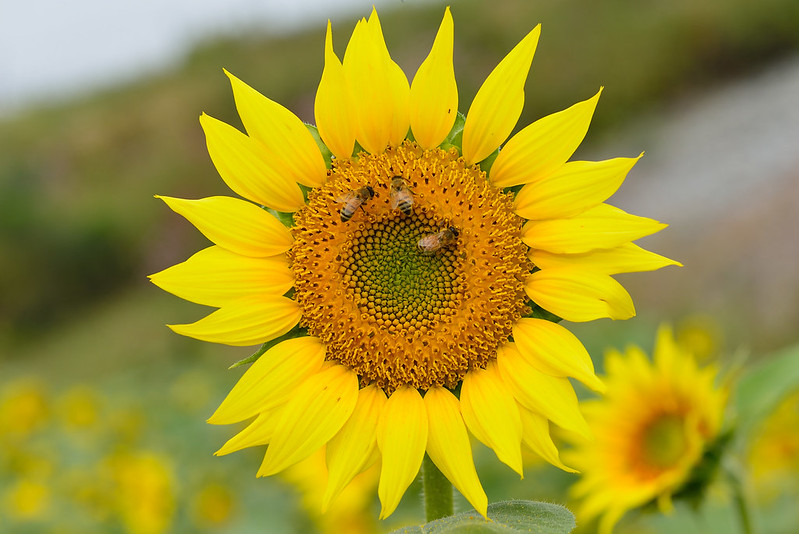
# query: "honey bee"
430 244
401 196
353 200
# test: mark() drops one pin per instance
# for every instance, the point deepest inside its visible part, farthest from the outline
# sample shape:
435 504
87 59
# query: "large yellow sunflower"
650 430
400 269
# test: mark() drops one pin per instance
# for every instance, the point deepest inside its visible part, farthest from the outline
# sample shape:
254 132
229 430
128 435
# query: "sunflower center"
391 281
412 290
664 441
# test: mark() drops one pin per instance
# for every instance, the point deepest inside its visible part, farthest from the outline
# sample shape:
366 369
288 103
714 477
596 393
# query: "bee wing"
343 199
395 199
428 241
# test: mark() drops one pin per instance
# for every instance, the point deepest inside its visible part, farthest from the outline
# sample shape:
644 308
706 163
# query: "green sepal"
297 331
537 312
505 517
703 473
513 189
305 189
455 136
327 155
486 164
356 150
286 218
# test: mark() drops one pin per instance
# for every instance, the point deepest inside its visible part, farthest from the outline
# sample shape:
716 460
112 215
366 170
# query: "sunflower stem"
437 491
735 478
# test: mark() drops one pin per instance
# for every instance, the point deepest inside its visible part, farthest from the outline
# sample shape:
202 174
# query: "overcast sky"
56 49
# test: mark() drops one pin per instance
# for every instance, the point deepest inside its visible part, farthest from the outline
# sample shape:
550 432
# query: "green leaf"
506 517
763 387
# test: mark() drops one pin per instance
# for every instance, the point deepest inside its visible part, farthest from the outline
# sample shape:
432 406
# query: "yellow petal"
666 352
490 413
270 379
602 226
245 322
333 107
215 276
378 87
554 350
401 437
626 258
613 515
290 147
317 409
499 101
578 295
434 91
542 147
449 448
572 188
248 169
550 396
536 436
349 452
259 432
632 367
236 225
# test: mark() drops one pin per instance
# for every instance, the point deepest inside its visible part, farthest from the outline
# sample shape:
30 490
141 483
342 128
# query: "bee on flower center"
430 244
401 195
353 200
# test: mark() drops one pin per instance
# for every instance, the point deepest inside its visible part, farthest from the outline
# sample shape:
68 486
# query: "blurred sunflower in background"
773 455
386 257
350 512
652 430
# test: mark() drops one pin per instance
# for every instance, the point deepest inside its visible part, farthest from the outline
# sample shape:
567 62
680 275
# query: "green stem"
437 491
739 497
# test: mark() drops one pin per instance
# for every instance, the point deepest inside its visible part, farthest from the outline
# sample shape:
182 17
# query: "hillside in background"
78 221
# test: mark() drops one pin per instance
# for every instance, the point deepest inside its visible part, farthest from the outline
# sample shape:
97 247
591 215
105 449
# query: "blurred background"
102 408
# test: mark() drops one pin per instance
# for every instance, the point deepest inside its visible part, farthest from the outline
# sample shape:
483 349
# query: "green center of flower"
412 293
392 281
665 441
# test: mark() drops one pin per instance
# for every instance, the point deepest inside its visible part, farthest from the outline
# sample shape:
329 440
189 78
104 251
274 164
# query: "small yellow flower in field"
143 491
403 262
24 407
701 335
79 408
651 430
213 505
27 499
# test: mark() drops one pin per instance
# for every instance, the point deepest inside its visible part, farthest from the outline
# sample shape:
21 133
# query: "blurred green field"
80 230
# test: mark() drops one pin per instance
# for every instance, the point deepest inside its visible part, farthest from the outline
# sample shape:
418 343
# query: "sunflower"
650 430
773 455
387 257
